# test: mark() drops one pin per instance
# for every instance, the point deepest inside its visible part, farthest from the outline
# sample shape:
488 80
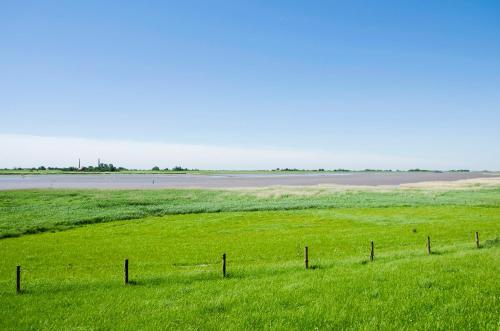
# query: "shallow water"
225 180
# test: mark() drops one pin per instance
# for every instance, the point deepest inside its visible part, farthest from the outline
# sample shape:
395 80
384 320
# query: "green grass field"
33 211
73 279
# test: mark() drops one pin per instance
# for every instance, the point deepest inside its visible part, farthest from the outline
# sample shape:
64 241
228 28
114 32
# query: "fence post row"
306 261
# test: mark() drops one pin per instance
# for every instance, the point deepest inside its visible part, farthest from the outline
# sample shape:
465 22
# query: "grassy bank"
73 279
33 211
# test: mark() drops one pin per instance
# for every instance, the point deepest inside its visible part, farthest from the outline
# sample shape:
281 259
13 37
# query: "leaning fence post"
429 245
306 257
224 265
372 252
477 239
125 269
18 279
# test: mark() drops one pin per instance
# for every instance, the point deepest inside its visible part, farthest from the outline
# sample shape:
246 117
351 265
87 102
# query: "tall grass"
33 211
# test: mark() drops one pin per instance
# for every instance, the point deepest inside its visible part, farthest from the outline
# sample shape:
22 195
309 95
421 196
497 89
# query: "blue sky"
404 83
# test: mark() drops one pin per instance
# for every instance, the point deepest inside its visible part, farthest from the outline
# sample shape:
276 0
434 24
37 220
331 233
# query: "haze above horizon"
251 85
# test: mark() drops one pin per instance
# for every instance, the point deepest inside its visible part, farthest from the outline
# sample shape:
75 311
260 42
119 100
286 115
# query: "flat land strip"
71 246
34 211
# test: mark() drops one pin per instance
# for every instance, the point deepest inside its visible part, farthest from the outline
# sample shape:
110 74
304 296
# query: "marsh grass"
36 211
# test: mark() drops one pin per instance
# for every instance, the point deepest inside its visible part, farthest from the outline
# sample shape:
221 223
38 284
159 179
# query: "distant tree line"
332 170
370 170
176 168
103 167
295 169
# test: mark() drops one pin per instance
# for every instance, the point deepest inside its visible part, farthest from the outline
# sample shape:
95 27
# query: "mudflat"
151 181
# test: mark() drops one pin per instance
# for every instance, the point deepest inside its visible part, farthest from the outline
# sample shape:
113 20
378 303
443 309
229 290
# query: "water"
150 181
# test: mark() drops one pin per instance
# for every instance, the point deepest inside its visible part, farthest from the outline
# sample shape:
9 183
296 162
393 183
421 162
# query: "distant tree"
103 167
155 168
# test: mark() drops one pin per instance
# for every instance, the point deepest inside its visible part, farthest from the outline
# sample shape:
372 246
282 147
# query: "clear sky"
358 84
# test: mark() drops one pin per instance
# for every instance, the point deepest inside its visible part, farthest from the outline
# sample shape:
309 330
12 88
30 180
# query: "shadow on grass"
491 243
316 266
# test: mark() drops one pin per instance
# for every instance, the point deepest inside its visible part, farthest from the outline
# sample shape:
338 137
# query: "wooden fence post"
428 245
372 252
306 257
126 272
224 265
18 279
477 239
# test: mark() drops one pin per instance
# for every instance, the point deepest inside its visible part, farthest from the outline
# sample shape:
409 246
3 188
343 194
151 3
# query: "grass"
34 211
73 279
